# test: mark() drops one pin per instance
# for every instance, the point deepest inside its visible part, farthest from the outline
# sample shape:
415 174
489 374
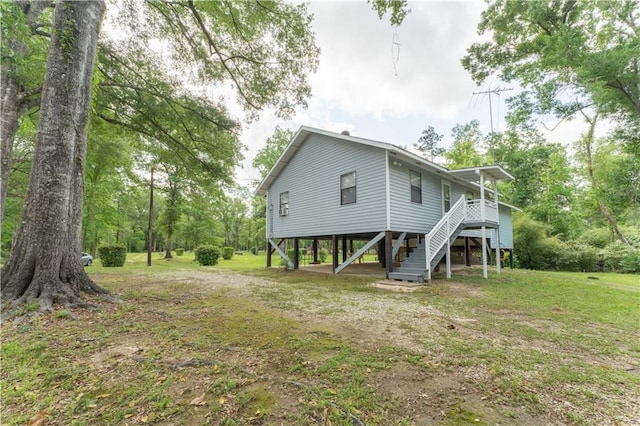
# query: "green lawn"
239 344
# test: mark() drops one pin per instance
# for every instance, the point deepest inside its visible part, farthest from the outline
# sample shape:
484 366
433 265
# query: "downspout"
388 190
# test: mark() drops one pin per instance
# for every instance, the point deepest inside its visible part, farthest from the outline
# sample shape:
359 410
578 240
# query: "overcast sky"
362 85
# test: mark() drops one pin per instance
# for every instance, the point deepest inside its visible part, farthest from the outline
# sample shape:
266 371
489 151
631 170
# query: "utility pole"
495 91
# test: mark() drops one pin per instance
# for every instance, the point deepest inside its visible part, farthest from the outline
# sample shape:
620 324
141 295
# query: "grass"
290 348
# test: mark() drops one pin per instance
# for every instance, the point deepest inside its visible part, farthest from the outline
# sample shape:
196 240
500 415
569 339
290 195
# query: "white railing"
474 213
463 211
440 234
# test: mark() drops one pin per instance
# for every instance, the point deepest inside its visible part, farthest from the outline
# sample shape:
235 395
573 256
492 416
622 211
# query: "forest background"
576 61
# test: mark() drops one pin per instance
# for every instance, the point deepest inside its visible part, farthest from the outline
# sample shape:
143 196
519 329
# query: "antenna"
395 51
495 91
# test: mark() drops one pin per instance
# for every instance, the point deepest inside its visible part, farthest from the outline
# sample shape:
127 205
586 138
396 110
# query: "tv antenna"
395 51
489 92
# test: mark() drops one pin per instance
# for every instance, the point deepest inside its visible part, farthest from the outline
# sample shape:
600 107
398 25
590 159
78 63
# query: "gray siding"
506 228
312 179
407 216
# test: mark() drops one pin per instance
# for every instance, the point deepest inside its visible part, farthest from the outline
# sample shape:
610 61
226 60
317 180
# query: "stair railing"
440 234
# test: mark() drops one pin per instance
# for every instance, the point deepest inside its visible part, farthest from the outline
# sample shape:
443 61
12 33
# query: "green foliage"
254 251
271 151
323 254
227 253
617 257
179 251
112 255
597 237
290 254
207 255
396 8
566 55
428 143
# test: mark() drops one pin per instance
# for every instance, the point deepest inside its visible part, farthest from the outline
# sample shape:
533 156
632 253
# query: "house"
337 187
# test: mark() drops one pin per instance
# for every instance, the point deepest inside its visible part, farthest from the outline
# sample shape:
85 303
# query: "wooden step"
402 276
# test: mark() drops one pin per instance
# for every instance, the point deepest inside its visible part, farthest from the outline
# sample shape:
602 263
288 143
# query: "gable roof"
467 177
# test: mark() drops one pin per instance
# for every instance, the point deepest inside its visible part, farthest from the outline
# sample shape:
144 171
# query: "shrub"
630 262
254 250
112 255
207 255
323 254
597 237
179 251
290 254
227 253
576 257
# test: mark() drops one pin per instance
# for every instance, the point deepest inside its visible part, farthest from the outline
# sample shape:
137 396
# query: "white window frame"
352 188
446 184
284 207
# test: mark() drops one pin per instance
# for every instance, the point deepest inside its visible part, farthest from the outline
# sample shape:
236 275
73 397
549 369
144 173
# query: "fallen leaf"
198 400
332 391
222 400
104 395
38 419
128 416
133 403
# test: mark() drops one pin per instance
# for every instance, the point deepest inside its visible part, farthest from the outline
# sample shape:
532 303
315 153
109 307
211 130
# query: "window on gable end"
348 188
416 186
284 203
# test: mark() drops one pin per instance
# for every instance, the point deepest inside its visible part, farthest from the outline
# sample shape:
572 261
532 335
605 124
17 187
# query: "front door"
446 196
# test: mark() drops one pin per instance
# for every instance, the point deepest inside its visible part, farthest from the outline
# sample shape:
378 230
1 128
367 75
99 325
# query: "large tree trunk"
588 146
15 99
44 264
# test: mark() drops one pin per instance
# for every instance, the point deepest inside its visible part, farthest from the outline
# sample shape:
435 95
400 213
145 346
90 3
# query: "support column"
344 248
467 251
484 253
269 252
315 251
511 258
296 253
388 252
334 240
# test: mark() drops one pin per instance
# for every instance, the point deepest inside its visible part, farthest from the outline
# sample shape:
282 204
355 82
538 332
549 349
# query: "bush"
576 257
179 251
290 254
112 255
254 250
323 254
630 262
597 237
207 255
227 253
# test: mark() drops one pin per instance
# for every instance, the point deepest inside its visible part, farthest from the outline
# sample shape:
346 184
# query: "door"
446 196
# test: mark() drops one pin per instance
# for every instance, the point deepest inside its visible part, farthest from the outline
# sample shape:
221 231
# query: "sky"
389 83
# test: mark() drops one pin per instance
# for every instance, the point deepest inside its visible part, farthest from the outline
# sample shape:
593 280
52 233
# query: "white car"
87 259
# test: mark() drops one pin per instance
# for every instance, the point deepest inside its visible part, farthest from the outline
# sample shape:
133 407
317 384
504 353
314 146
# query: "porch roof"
472 174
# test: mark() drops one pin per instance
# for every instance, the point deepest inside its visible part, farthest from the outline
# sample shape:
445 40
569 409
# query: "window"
416 186
348 188
446 196
284 203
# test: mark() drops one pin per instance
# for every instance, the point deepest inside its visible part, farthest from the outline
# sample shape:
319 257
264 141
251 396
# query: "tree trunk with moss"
44 265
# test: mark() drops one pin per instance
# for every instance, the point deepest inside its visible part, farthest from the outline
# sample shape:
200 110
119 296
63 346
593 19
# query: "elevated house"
337 187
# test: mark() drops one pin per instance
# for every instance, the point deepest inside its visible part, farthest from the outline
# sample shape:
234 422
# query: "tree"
586 149
567 54
467 140
20 84
428 143
570 57
44 264
267 156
